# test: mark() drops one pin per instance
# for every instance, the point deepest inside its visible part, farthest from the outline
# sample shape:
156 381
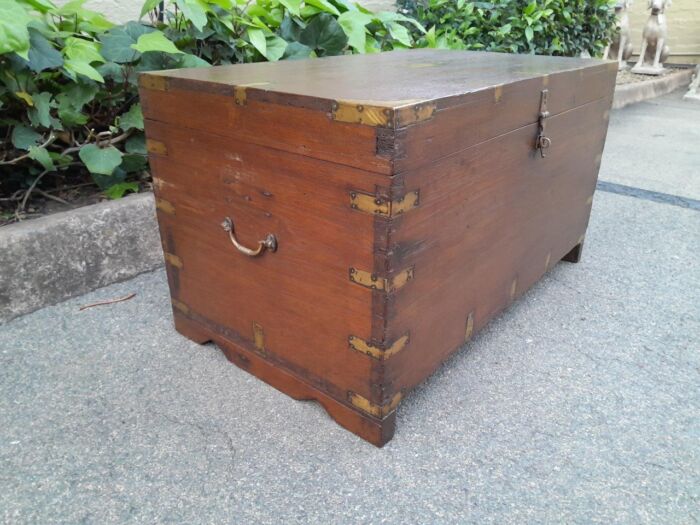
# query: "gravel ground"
578 405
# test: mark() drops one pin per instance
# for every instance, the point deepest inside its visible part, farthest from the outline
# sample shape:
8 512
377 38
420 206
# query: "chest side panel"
461 122
295 307
493 218
285 125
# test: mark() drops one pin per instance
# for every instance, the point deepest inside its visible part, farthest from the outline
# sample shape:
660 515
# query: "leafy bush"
548 27
68 90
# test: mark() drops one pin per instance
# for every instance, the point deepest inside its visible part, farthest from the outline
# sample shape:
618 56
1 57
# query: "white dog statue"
654 49
620 48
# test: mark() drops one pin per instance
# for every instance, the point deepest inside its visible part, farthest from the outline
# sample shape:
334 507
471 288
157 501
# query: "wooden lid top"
389 80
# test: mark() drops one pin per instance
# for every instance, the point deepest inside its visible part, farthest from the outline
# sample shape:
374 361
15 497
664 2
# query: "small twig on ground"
109 301
22 204
52 197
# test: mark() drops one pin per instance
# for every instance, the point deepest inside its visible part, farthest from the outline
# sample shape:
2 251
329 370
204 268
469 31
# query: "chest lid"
391 91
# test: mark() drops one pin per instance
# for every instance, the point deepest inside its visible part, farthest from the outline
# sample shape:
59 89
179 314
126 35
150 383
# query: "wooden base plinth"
376 431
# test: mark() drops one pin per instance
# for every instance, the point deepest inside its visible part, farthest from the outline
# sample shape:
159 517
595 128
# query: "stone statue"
694 88
620 48
654 50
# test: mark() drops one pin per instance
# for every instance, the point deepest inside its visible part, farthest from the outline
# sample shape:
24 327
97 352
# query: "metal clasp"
543 142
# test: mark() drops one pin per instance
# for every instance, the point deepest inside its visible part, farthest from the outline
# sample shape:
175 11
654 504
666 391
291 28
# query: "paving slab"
655 145
578 405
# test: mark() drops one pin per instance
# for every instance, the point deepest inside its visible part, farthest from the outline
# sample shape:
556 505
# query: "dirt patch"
627 77
56 192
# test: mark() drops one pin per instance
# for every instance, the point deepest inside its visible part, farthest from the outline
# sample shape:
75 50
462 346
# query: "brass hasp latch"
543 141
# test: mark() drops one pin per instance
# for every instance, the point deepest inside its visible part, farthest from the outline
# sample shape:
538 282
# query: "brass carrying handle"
269 243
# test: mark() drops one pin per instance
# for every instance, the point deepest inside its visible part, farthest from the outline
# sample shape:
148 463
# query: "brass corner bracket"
378 411
469 328
157 147
165 206
385 284
378 205
378 351
153 82
259 337
359 112
173 260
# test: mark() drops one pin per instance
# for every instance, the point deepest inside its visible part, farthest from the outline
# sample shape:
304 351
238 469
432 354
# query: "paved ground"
579 405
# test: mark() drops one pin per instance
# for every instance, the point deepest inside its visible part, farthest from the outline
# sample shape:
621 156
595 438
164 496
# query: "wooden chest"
340 226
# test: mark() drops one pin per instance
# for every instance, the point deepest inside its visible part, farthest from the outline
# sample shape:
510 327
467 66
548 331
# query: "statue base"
648 70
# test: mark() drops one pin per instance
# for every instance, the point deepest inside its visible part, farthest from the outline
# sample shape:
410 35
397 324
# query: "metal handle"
269 243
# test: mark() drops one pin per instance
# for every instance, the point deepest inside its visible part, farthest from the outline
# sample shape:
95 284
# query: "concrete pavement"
578 405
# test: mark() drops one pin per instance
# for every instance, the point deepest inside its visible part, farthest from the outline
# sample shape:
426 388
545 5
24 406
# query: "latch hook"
543 142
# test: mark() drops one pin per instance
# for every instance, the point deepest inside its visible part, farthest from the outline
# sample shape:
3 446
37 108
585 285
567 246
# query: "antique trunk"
340 226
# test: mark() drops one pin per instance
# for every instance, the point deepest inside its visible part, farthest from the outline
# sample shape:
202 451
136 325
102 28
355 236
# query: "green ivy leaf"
293 6
323 5
82 50
117 42
41 155
43 6
14 36
290 29
132 118
133 162
276 47
40 113
136 144
324 33
188 60
400 33
98 160
257 38
77 95
148 5
24 137
42 54
79 67
296 51
71 117
155 41
353 23
390 16
117 191
194 11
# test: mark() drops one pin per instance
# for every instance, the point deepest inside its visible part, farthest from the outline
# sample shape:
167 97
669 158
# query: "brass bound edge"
378 411
157 147
380 352
258 337
357 112
179 305
154 82
377 205
239 95
173 259
371 280
469 330
165 206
